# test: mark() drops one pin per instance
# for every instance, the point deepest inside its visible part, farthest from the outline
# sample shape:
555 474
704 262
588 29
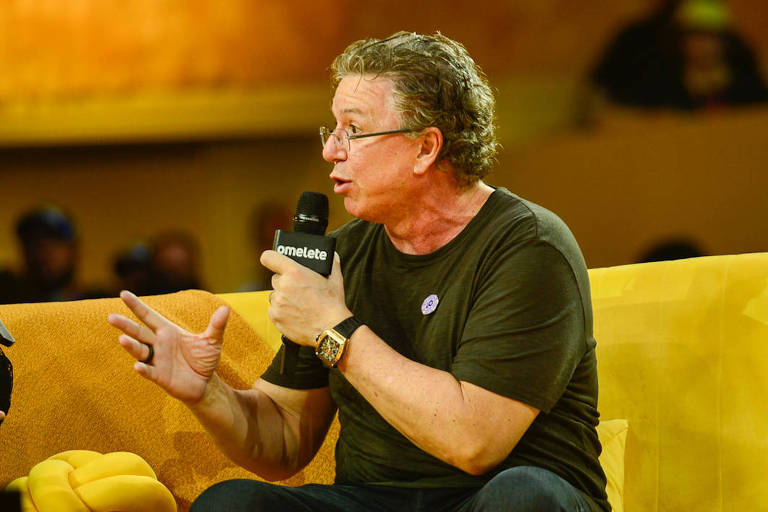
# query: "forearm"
439 414
249 428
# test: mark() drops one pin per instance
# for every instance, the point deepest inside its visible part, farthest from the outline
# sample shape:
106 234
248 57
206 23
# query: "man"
463 365
686 55
49 244
174 263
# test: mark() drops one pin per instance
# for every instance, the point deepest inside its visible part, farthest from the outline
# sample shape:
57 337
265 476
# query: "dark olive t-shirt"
506 306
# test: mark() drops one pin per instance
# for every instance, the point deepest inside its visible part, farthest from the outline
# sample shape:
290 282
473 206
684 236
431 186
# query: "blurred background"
170 138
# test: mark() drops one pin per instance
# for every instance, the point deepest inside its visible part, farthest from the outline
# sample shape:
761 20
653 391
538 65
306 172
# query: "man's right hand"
183 362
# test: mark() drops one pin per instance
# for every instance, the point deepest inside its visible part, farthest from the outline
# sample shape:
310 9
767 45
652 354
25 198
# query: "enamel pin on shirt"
429 305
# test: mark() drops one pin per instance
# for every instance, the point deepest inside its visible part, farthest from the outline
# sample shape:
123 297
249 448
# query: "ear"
431 144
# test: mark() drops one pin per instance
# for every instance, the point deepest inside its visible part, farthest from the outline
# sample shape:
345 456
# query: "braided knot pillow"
87 481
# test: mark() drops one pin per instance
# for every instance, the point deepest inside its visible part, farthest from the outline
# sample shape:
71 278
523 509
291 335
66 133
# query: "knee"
233 495
528 489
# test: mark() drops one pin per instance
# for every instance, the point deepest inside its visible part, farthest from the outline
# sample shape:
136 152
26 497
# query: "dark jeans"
520 489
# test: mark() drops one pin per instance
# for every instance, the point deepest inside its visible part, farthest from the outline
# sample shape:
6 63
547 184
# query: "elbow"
275 476
476 467
476 460
271 472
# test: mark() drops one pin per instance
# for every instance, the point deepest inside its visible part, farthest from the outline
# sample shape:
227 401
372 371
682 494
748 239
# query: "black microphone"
306 245
6 384
6 372
5 336
10 501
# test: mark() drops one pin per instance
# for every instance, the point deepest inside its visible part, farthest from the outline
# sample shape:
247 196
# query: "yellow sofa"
682 355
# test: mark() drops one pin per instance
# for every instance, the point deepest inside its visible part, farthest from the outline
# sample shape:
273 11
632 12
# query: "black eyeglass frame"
326 133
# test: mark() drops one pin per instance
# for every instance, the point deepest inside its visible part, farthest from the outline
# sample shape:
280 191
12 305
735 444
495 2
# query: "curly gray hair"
435 83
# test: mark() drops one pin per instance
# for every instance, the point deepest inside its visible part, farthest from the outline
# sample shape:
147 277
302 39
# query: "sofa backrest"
75 389
683 355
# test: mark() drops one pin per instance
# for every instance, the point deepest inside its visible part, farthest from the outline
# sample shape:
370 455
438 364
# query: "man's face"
373 174
175 265
50 260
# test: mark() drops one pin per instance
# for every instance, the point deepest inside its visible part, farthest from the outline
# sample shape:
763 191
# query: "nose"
333 151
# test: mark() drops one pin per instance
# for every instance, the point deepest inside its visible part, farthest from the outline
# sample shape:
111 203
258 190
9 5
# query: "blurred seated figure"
685 56
718 68
632 66
265 219
131 267
50 251
174 263
671 249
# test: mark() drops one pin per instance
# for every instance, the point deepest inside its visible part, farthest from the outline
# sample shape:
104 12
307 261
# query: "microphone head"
311 213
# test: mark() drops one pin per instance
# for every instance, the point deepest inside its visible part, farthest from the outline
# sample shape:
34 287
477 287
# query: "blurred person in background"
634 62
49 246
716 67
174 263
131 267
676 248
684 56
265 219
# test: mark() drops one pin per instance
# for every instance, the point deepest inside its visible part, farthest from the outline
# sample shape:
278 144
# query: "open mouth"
340 185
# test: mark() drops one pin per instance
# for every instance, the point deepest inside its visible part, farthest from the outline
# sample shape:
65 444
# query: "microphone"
6 372
6 384
5 336
306 245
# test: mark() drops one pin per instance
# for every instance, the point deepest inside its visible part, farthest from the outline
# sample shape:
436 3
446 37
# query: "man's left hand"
303 303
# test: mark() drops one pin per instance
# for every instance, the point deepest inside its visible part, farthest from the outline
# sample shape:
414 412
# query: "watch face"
328 349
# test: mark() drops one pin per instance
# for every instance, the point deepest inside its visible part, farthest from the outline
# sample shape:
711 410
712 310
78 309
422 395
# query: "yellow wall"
619 188
624 186
119 194
187 77
113 46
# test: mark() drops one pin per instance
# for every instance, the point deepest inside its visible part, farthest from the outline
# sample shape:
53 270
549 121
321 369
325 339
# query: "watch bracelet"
343 330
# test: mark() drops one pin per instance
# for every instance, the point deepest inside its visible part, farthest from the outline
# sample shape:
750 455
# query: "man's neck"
442 212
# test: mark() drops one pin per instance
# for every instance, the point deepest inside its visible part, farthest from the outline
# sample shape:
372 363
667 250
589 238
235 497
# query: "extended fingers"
131 328
145 313
137 349
217 324
145 370
141 352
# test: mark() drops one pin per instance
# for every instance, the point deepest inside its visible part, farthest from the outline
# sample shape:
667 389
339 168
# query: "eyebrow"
353 111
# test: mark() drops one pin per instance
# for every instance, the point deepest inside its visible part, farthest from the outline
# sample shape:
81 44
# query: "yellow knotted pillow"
86 481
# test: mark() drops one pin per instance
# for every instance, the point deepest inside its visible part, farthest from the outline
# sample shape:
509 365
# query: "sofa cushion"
613 437
76 389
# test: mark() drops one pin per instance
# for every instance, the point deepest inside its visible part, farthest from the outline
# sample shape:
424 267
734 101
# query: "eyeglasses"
343 138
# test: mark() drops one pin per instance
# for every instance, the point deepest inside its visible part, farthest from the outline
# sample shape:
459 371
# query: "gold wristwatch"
330 344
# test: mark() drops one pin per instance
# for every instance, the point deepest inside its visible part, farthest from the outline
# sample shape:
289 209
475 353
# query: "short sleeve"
308 374
525 333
